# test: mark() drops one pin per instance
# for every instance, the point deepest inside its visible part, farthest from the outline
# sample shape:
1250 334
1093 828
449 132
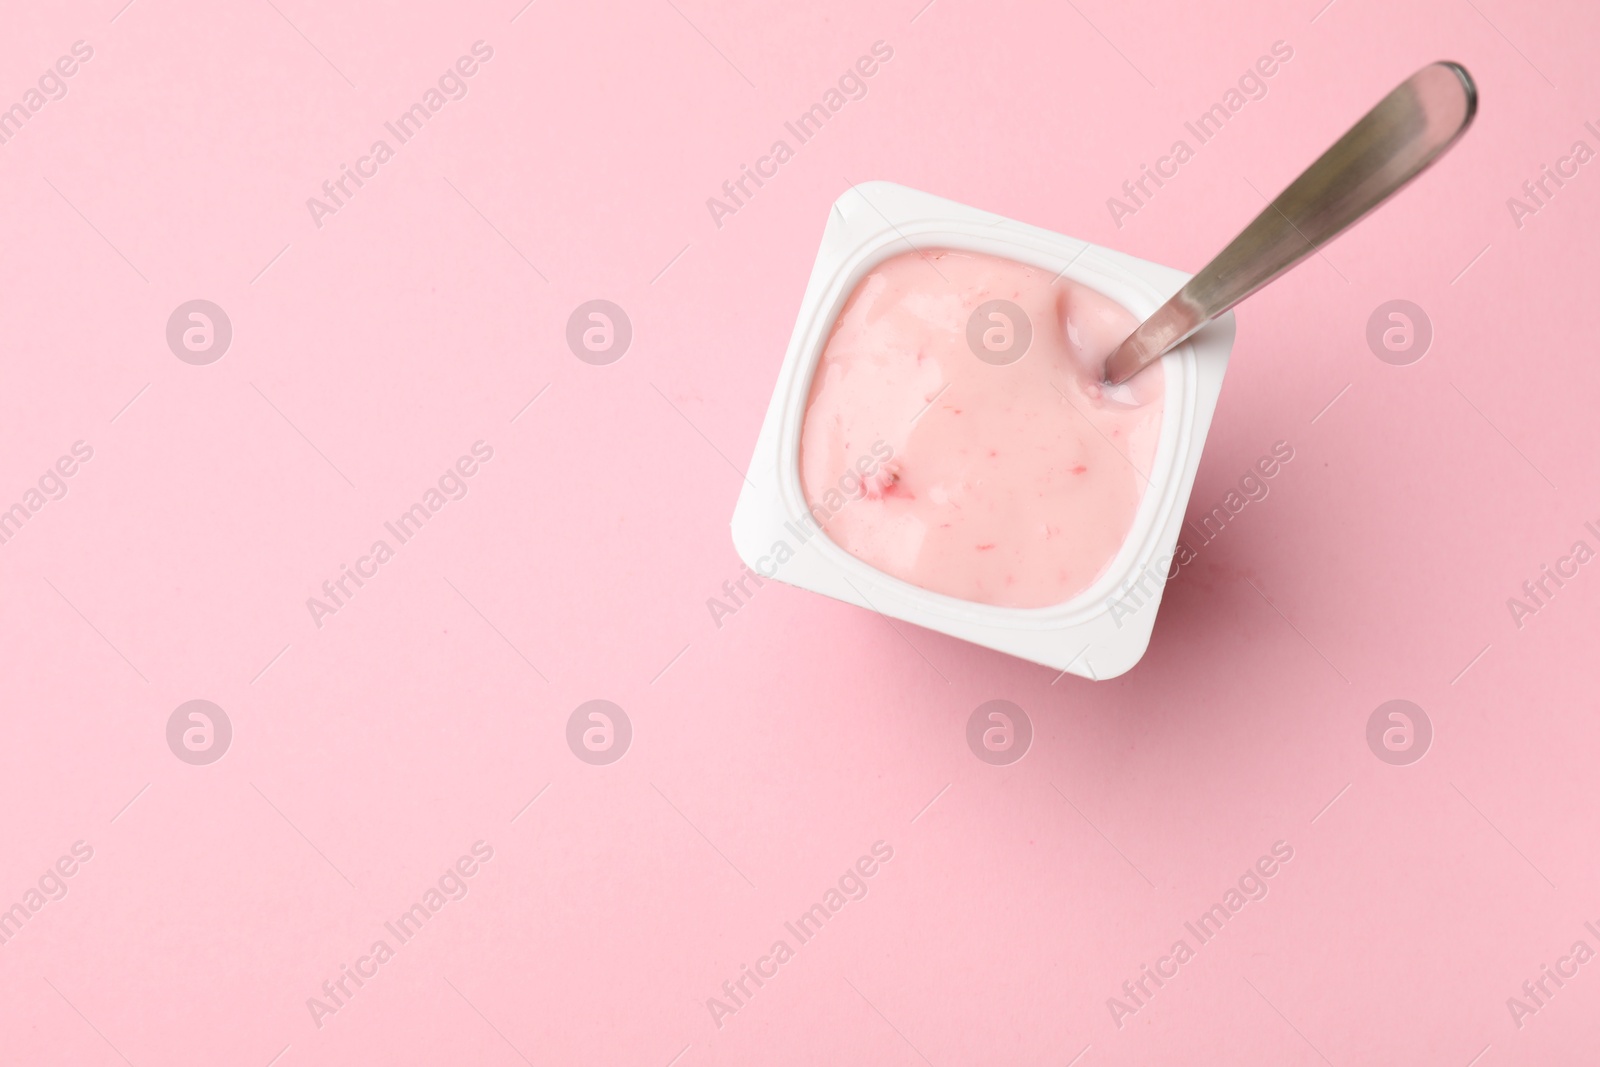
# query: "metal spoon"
1392 144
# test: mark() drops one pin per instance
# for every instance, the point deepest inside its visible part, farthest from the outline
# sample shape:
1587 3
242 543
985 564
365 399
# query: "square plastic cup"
1102 631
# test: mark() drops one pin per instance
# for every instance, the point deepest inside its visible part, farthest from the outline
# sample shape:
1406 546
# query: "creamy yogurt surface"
1012 474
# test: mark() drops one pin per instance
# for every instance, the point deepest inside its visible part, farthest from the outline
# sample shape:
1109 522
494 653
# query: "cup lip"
1100 269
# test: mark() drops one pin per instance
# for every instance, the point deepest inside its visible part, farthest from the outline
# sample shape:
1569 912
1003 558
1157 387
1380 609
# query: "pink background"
767 754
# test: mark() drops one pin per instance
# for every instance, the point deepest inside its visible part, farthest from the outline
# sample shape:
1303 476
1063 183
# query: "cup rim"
1099 269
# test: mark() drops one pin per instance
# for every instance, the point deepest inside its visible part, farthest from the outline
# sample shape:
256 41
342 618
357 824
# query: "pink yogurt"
1008 481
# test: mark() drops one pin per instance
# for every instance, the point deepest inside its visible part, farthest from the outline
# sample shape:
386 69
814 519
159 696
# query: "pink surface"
766 756
958 436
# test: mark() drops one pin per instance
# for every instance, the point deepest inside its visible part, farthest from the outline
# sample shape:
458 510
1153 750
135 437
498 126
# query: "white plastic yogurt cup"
1102 631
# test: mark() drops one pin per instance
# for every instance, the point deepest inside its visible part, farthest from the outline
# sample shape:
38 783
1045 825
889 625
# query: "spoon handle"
1392 144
